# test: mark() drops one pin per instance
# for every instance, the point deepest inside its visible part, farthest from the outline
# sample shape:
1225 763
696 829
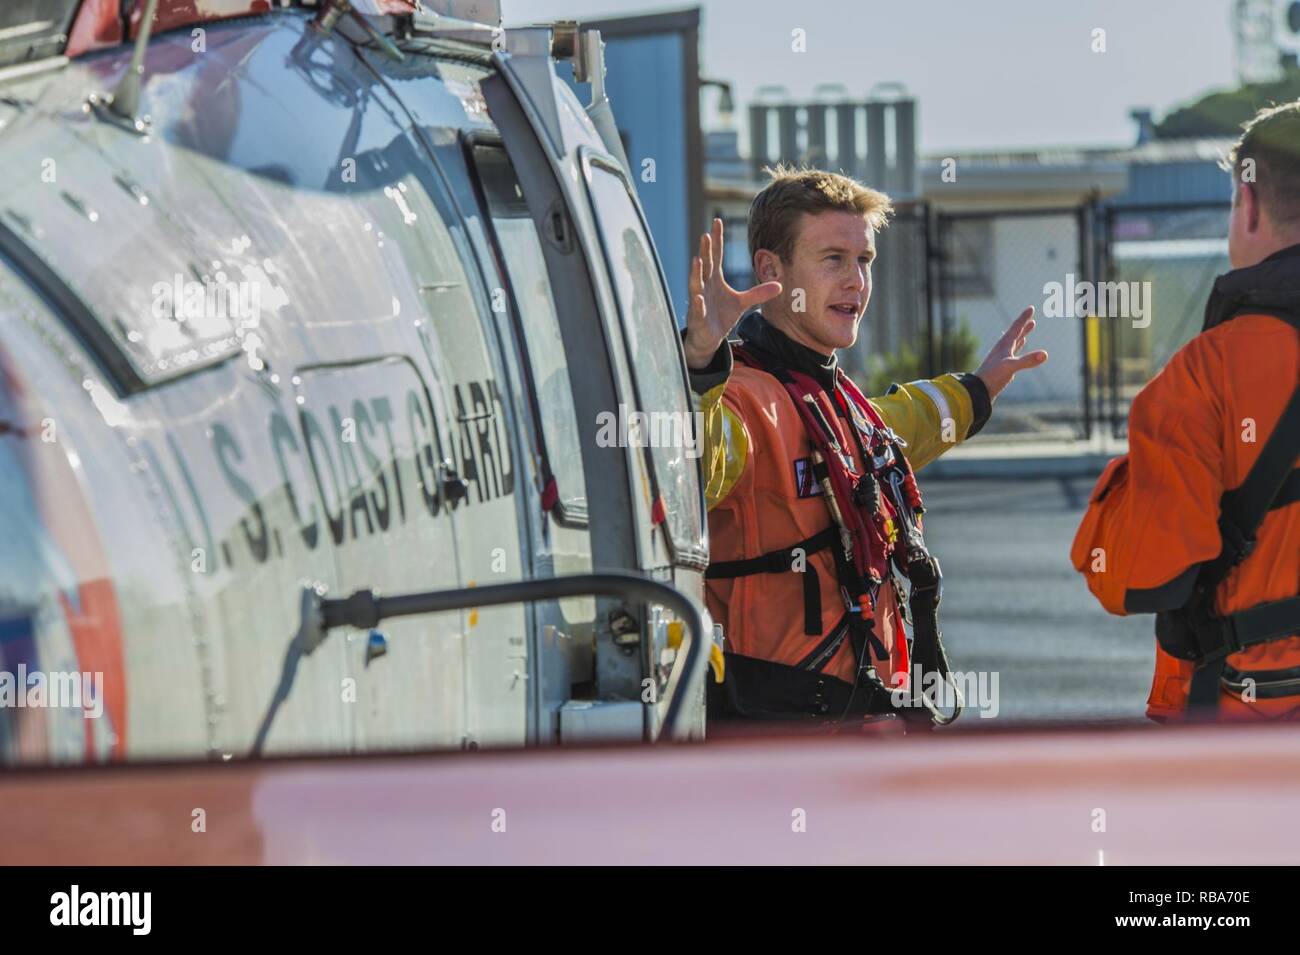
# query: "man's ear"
767 266
1248 199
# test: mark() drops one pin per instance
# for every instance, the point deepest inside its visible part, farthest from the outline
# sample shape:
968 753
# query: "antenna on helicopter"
124 101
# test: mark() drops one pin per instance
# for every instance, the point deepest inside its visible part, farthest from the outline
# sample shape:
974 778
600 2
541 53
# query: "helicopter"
308 317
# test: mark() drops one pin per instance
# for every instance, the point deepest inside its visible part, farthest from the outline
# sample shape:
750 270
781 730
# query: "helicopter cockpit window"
673 438
202 293
526 264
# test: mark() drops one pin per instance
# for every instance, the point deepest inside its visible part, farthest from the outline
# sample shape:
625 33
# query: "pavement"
996 457
1014 606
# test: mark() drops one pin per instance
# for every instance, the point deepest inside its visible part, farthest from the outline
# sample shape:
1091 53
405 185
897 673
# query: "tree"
1223 113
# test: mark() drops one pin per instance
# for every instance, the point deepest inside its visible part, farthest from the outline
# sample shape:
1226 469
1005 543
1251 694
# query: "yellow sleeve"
930 416
726 446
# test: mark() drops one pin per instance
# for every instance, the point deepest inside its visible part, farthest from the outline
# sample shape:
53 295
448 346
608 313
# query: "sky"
986 75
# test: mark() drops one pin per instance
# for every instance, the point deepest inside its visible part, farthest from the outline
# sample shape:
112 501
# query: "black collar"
776 349
1290 252
1271 286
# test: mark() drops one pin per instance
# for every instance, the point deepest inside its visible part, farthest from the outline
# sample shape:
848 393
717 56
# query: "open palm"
715 306
1003 362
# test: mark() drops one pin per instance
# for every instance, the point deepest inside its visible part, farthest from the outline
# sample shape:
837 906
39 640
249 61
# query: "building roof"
1208 149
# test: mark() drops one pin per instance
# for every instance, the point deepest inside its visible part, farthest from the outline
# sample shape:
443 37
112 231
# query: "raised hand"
715 306
1002 363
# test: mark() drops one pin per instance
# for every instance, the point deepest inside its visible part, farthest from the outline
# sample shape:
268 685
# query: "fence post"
931 258
1112 341
943 226
1081 224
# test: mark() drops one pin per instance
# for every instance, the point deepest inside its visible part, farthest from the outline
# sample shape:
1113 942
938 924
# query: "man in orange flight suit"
795 644
1198 522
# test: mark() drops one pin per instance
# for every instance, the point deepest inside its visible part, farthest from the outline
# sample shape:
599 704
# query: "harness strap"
781 561
1223 636
1271 483
1265 622
1290 492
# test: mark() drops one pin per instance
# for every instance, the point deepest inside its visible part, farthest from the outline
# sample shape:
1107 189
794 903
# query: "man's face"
827 281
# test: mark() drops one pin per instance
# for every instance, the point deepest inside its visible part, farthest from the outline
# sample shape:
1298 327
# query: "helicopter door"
565 630
619 500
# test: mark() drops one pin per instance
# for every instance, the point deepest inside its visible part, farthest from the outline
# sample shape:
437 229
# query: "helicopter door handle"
454 487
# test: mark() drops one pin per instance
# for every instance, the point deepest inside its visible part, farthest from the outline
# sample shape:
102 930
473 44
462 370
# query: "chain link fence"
1172 254
990 267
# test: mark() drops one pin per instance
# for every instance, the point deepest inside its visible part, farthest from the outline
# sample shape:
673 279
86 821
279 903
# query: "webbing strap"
1266 622
1262 623
777 561
782 561
1290 492
1242 510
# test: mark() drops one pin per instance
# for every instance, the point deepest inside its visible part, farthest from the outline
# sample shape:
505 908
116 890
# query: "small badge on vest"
805 482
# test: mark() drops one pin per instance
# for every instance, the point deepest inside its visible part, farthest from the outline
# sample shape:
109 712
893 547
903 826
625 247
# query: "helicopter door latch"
453 485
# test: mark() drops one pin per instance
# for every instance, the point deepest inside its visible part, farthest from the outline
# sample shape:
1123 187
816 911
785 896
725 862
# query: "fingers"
1024 334
1031 360
759 294
695 311
706 256
695 283
1017 328
711 251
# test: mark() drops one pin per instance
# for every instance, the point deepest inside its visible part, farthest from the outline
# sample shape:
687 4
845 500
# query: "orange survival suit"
806 633
1198 523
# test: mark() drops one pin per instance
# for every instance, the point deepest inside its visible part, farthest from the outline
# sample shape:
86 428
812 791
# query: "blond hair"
775 211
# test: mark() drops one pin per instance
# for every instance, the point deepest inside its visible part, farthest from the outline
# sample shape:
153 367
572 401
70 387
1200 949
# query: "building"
659 123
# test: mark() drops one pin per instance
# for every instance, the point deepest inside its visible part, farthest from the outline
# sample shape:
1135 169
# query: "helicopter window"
195 303
28 33
667 425
523 258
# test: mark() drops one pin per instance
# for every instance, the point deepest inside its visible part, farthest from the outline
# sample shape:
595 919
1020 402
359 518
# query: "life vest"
874 532
1194 631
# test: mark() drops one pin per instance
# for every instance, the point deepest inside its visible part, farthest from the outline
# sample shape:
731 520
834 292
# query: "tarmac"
1006 458
1000 518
